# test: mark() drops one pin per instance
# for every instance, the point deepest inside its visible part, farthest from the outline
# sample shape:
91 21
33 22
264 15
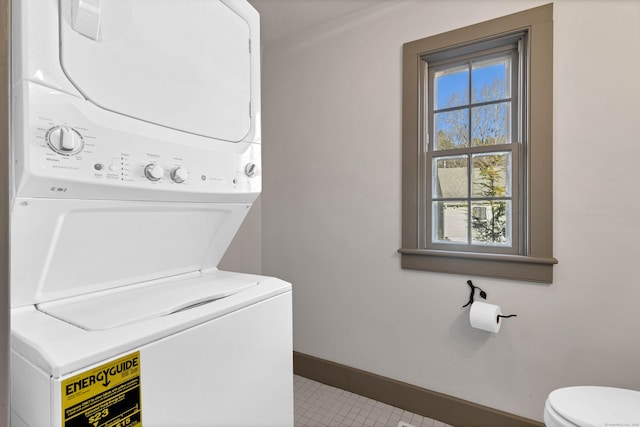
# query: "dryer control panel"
63 152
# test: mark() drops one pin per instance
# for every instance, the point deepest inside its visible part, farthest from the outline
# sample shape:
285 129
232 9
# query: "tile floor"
320 405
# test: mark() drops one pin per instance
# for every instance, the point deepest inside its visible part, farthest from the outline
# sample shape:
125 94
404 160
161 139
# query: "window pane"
451 87
491 175
491 222
451 129
450 177
491 124
450 223
490 79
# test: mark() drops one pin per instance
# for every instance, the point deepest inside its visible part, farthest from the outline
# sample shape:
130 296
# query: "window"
477 145
473 147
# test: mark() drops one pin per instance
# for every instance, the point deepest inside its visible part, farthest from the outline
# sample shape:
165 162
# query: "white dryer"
136 157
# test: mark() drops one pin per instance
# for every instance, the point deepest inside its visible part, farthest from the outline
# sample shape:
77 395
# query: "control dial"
65 140
251 170
153 172
179 175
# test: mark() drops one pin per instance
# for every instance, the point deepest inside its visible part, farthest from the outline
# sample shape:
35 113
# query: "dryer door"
180 64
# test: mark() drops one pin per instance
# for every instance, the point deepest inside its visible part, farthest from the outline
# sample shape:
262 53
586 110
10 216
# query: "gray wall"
331 210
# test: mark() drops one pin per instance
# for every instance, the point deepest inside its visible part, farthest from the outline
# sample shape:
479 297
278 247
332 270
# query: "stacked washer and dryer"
136 157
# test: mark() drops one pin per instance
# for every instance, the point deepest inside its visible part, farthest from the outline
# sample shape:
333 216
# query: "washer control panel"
66 151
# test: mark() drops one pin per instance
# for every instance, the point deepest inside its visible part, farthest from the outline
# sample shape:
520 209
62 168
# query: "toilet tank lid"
592 406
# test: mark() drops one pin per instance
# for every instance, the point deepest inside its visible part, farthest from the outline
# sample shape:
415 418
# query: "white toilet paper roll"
485 316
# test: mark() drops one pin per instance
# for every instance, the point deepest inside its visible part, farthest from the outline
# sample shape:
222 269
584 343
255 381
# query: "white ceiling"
284 18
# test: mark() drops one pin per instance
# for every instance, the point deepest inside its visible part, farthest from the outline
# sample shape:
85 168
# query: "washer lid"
591 406
132 304
183 65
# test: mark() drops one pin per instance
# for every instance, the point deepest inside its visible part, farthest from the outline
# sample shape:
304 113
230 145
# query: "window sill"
515 267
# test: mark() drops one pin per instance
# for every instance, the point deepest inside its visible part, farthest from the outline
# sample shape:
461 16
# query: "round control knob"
251 169
64 140
179 175
153 172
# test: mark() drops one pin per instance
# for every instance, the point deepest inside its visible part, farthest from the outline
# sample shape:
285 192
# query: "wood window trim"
536 263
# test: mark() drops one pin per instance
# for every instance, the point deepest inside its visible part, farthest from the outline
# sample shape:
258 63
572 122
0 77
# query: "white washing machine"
136 156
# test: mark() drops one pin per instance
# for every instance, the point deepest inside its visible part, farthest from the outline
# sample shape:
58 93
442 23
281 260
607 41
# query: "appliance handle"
190 305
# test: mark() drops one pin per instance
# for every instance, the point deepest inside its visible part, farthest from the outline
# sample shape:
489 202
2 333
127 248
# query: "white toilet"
589 406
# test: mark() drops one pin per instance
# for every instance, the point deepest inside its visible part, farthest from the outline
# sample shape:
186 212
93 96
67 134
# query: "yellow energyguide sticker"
105 396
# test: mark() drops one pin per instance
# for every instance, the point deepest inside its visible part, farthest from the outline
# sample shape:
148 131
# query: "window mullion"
477 104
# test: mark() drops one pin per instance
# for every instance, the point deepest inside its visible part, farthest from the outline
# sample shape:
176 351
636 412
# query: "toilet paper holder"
483 295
